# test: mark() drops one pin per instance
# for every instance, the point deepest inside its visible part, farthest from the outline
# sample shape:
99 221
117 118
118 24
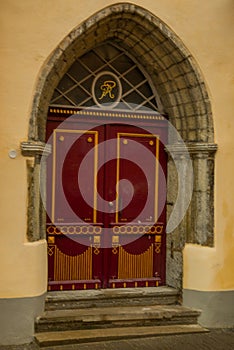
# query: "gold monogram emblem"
107 88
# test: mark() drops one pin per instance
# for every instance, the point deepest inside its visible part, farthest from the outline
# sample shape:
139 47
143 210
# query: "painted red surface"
110 237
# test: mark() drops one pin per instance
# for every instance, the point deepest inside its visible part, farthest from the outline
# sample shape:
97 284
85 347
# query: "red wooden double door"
106 194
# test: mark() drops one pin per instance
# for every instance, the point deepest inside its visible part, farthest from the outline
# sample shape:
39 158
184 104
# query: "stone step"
110 317
111 297
49 339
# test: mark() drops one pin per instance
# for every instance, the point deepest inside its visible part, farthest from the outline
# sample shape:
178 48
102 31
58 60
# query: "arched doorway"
184 98
111 233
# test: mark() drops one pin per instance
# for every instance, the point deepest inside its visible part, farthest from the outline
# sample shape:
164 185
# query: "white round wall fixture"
12 153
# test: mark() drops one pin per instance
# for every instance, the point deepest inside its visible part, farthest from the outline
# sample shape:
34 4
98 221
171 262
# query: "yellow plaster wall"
30 30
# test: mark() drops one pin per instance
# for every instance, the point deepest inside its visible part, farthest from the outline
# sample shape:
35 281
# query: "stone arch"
184 99
175 73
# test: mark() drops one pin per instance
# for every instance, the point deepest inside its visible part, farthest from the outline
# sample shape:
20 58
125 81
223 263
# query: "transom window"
76 88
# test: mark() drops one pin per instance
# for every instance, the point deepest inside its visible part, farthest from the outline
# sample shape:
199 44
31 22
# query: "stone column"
201 215
34 150
179 193
190 217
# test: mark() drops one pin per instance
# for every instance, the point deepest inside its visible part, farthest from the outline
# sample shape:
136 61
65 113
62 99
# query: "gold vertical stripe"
135 266
95 177
55 263
53 176
72 268
67 268
62 263
74 277
156 181
117 179
81 258
90 264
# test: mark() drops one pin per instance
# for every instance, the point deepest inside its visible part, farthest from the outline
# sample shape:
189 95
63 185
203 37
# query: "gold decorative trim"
115 241
158 239
115 250
50 250
73 230
158 244
96 250
96 240
115 244
116 114
51 240
96 244
138 229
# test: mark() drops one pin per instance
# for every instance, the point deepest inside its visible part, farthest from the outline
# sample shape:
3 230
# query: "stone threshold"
111 297
111 293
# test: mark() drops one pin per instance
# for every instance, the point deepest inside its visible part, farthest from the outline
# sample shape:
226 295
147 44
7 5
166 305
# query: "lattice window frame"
148 100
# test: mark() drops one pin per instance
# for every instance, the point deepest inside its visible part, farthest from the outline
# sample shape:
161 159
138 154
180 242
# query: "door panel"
106 229
74 227
138 237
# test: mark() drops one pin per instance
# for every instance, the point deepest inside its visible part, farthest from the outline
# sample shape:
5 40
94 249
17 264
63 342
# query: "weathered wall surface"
30 32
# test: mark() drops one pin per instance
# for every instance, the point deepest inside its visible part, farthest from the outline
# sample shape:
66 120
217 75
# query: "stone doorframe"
184 97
